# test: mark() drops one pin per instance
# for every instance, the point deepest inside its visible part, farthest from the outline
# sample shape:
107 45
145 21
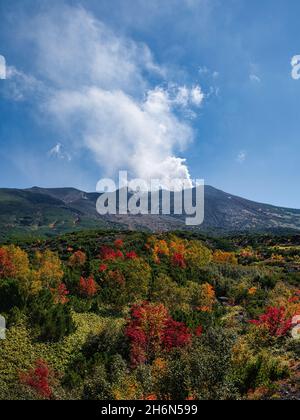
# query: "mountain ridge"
50 211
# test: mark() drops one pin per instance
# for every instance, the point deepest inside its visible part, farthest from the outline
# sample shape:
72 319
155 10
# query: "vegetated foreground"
106 315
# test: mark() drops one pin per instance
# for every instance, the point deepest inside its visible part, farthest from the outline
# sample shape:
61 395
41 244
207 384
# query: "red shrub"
151 330
103 267
60 294
276 321
295 298
131 255
199 331
119 254
109 254
119 243
178 260
7 268
38 378
145 330
176 334
88 287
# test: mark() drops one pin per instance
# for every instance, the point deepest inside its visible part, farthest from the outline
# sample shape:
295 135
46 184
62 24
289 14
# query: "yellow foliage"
20 270
20 261
197 255
277 258
221 257
126 390
203 297
49 270
159 366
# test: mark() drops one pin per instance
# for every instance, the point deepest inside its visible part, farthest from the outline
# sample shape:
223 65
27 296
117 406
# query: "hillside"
48 212
140 316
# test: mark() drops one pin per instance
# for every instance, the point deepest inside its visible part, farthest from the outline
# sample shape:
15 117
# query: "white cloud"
99 95
197 96
20 86
185 97
254 78
204 70
75 49
123 133
241 157
59 152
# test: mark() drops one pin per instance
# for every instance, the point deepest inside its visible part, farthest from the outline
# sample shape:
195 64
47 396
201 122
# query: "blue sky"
192 88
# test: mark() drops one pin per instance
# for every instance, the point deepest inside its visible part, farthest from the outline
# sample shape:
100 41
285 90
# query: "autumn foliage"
109 254
49 271
60 294
14 263
176 334
222 257
152 330
119 243
153 317
178 260
207 297
39 379
88 287
7 268
132 255
78 259
276 322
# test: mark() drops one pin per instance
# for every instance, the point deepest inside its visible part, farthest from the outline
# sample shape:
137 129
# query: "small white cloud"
187 97
203 70
183 95
254 78
58 152
197 96
241 157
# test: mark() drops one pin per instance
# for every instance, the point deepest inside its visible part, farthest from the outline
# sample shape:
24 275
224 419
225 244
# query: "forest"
107 315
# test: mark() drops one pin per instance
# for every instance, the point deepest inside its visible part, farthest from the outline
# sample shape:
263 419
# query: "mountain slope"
35 212
232 213
39 211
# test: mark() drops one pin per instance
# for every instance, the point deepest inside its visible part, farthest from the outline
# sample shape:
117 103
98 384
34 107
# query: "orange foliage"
119 243
78 259
252 291
151 397
88 287
207 298
221 257
7 268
